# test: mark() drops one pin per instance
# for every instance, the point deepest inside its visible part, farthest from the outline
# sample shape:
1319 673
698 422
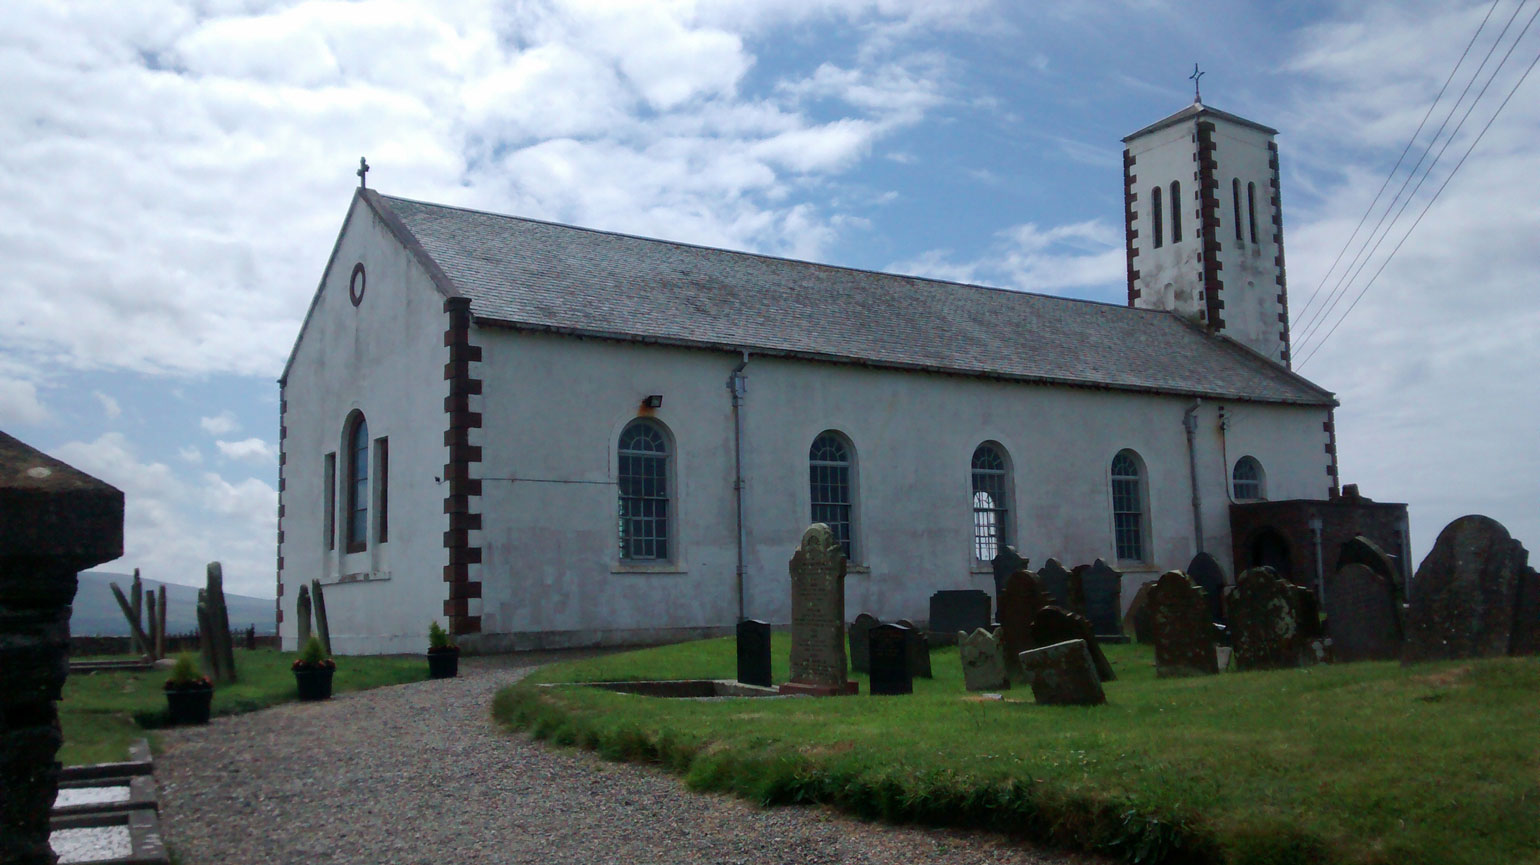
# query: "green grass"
1357 763
101 713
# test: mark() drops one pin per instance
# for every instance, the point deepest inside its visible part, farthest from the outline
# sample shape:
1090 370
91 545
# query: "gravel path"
420 774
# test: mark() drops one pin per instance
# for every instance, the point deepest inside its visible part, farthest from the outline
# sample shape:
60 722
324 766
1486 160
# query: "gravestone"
1056 625
1055 581
863 624
1005 563
1466 592
1183 631
1139 614
1526 616
1063 674
953 610
1205 573
1359 550
982 661
754 652
1074 589
1361 614
55 521
1307 613
1019 603
301 615
919 651
888 648
1263 627
1102 589
817 571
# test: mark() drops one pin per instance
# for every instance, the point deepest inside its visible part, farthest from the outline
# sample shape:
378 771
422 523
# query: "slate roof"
528 274
1195 110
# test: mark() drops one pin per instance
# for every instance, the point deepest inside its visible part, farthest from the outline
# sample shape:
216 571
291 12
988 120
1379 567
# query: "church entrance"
1269 549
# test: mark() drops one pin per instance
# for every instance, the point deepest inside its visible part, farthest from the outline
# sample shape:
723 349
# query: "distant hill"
96 613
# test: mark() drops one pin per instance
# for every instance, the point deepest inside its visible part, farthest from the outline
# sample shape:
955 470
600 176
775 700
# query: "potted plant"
313 671
443 654
189 693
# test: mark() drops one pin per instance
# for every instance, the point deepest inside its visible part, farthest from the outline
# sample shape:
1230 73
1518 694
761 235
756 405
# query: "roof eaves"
1198 109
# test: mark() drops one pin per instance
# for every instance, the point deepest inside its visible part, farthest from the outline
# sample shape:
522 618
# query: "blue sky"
172 176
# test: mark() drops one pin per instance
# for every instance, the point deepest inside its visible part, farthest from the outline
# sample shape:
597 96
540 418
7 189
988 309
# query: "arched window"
991 505
829 481
357 483
1128 515
1235 199
1176 212
1155 216
1251 208
643 481
1248 481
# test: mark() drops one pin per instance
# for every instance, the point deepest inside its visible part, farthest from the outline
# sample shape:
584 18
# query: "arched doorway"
1270 549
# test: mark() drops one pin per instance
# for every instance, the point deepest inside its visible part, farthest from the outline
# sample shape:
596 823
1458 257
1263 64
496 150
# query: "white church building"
553 436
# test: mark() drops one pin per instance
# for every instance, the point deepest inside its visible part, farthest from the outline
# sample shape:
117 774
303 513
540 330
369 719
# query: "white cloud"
110 406
221 424
19 403
252 450
1028 258
190 454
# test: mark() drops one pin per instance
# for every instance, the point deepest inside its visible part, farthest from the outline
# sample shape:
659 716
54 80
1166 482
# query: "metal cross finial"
363 168
1196 77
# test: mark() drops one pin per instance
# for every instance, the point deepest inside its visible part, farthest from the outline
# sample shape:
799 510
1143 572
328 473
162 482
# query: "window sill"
982 568
364 577
639 568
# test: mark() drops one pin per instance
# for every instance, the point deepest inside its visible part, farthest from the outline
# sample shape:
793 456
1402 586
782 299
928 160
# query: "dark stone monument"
1006 562
919 651
1466 593
1361 614
1019 603
754 652
1263 626
1205 573
1055 581
1074 589
953 610
1063 675
1526 616
818 616
1056 625
55 521
1102 588
889 652
1359 550
982 661
1139 614
858 630
1183 631
1307 614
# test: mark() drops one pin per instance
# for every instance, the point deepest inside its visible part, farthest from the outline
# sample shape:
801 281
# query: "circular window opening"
356 284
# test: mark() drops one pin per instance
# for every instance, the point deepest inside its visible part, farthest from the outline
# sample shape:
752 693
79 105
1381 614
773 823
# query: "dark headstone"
1005 563
1183 632
1263 627
1206 574
919 651
818 616
1526 616
1307 614
1466 593
863 624
1056 625
1103 591
1361 614
1360 550
983 665
1063 674
888 647
1019 603
1055 581
754 652
1139 614
953 610
1074 589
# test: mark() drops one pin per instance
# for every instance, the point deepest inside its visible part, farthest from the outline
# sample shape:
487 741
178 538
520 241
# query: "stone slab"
1063 674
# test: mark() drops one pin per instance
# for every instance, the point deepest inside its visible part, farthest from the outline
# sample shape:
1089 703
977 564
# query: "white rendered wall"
1248 270
1171 275
385 358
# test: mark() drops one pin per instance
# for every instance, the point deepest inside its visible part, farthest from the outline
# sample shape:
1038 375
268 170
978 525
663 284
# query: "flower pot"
444 664
314 684
189 705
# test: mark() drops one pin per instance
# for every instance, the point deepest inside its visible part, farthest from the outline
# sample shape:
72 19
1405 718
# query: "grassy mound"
1357 763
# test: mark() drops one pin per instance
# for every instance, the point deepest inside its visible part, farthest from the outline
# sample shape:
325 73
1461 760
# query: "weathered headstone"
1465 595
1019 603
1063 674
55 521
1102 589
982 662
953 610
137 636
1263 627
888 646
919 651
1360 550
1056 625
1183 631
1361 614
1139 614
323 627
1055 581
754 652
817 571
160 623
859 629
1307 614
136 600
152 620
219 620
1006 562
302 617
1526 616
1206 574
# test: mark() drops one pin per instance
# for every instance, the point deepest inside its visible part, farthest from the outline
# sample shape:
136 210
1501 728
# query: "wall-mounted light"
653 401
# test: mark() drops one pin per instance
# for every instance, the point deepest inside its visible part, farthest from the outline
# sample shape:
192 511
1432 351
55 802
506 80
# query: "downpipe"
1190 424
738 386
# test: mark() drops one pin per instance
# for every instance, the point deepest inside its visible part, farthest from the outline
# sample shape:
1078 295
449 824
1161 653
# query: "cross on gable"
363 168
1196 77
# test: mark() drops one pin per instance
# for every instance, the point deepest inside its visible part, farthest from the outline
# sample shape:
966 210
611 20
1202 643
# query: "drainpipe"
1190 424
738 385
1320 571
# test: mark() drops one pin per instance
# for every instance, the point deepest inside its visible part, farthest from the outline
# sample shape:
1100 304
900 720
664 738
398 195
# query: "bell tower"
1205 227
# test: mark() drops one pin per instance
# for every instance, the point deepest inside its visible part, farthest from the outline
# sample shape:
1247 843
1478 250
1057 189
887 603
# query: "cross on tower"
1196 77
363 168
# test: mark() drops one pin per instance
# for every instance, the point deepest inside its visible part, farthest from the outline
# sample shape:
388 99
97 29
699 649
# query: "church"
551 436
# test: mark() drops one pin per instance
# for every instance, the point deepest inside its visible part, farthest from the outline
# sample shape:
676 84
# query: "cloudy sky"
173 174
